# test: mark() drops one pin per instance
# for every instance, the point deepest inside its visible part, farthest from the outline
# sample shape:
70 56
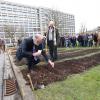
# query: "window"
14 9
4 14
9 9
3 8
30 29
13 41
1 29
7 41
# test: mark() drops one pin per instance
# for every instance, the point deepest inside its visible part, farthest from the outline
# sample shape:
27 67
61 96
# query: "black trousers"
32 62
52 50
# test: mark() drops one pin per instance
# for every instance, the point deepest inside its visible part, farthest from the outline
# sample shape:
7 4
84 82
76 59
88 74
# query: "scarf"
52 35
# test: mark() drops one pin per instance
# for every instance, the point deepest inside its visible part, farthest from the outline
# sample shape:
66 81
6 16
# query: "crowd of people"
82 40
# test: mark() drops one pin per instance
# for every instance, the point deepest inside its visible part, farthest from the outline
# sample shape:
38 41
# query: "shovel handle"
30 80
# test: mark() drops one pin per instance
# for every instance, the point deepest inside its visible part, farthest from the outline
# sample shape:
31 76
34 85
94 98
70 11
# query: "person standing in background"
52 40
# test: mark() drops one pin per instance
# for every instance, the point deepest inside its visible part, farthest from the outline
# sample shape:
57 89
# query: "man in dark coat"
31 49
52 40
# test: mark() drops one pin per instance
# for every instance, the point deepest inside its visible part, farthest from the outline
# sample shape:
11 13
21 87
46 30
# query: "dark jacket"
26 49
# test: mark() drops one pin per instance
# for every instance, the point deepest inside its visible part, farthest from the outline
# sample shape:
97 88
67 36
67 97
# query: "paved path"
5 73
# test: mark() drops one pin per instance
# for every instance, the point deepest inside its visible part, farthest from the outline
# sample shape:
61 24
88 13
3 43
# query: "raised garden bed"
76 53
46 75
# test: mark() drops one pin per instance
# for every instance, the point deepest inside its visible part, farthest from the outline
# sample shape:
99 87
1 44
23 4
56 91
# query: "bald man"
31 48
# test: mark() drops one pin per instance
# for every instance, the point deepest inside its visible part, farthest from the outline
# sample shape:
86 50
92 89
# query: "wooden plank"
1 74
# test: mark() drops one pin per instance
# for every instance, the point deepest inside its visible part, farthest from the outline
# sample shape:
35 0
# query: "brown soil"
46 75
76 53
72 50
72 53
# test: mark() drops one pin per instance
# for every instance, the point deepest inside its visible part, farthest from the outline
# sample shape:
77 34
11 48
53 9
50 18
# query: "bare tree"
83 29
21 32
10 32
13 32
54 15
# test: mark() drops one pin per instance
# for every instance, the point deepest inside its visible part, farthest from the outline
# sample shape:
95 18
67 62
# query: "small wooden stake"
30 80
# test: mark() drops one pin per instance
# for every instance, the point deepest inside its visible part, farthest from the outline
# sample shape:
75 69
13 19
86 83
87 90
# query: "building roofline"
29 6
55 10
17 4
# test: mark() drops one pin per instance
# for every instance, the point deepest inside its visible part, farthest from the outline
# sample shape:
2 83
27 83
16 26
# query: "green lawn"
85 86
76 48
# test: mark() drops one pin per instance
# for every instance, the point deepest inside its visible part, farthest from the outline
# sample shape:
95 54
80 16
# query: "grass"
64 48
84 86
79 57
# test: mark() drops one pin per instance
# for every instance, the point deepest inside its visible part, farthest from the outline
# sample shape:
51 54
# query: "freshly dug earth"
77 53
46 75
70 50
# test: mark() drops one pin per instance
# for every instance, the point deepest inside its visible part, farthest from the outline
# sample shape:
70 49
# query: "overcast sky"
86 12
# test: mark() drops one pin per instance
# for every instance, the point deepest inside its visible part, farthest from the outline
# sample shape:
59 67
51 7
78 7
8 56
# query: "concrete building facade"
26 21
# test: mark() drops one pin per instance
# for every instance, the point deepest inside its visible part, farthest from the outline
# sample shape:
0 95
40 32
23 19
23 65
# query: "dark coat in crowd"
26 49
52 44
